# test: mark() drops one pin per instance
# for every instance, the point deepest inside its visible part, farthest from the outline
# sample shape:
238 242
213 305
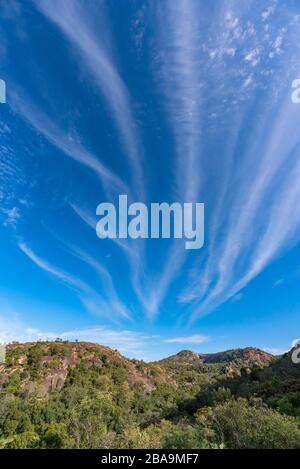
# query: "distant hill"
280 380
247 356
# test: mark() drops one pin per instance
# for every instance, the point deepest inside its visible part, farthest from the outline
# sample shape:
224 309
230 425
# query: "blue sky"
179 100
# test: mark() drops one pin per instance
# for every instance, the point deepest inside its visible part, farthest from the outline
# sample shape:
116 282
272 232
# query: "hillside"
83 395
42 367
278 384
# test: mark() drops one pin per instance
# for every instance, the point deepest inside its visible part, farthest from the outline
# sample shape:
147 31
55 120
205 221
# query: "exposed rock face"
45 366
249 354
53 380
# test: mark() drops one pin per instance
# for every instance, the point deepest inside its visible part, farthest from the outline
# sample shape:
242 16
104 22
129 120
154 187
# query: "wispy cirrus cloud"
249 226
91 220
99 64
129 342
126 341
55 272
99 304
74 21
149 295
69 144
192 339
264 227
11 216
178 73
108 288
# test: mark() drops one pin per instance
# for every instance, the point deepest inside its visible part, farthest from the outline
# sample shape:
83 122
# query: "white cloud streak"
128 342
178 73
260 226
69 145
108 289
73 21
94 302
148 295
193 339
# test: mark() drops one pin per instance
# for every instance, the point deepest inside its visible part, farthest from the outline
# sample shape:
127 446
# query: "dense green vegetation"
78 395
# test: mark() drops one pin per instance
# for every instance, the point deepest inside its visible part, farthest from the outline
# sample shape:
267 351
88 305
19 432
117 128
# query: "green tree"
240 424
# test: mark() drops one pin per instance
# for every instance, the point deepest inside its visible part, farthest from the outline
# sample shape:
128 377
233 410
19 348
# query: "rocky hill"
44 366
247 356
